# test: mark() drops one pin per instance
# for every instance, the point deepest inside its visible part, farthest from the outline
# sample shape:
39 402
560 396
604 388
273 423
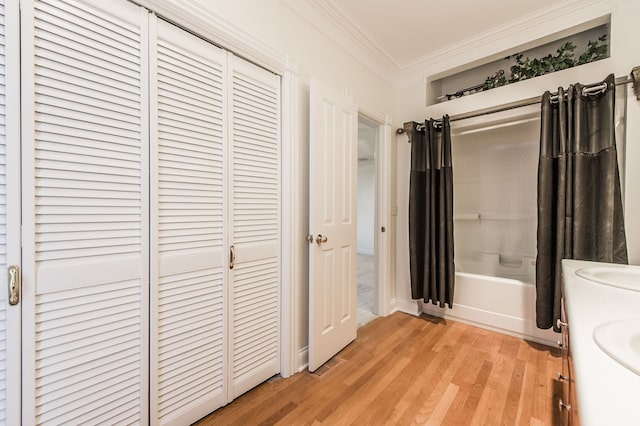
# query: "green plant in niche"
595 51
528 68
496 80
563 58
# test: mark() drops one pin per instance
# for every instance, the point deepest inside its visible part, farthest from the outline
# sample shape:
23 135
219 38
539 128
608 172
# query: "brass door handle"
232 257
14 284
321 239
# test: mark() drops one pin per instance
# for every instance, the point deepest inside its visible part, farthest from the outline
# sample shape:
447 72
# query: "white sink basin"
621 341
622 276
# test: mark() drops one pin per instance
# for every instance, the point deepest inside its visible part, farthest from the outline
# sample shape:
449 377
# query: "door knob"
321 239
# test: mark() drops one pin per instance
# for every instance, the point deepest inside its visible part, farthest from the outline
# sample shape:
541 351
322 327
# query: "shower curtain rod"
536 100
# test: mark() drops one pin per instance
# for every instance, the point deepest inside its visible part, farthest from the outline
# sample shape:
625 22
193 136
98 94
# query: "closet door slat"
255 226
188 250
85 212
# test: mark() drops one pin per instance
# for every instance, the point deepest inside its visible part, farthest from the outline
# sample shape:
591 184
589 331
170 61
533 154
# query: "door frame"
385 304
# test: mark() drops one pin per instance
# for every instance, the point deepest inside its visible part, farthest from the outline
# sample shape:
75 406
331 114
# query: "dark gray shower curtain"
579 199
431 213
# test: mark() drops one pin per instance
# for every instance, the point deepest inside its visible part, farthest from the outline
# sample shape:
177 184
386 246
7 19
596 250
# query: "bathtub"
505 305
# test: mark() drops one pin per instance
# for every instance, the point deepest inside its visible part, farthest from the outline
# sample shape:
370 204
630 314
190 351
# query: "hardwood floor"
403 370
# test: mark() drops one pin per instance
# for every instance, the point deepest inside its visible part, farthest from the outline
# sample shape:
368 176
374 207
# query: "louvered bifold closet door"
4 297
255 226
187 311
9 210
85 212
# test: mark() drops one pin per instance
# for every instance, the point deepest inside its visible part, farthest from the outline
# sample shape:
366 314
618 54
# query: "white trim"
337 27
382 240
411 307
290 225
303 359
383 217
555 21
341 18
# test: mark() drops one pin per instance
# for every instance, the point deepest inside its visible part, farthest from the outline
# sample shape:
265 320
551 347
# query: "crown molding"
333 22
342 19
481 48
494 44
331 19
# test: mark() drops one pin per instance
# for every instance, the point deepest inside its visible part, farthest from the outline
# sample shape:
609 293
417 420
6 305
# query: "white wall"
366 207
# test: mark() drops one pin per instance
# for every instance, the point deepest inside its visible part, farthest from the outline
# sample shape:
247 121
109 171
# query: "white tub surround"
607 392
499 304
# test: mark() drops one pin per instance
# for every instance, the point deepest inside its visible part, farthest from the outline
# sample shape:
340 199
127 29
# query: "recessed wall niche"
566 49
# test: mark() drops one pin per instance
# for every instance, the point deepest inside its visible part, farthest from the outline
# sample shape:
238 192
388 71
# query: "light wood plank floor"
403 370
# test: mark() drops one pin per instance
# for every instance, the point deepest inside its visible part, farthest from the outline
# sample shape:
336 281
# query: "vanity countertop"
608 393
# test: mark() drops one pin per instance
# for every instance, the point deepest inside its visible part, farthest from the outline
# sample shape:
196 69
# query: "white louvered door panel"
85 212
255 226
10 315
4 299
187 311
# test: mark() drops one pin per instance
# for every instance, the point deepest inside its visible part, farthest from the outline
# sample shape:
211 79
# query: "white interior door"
10 313
188 254
85 212
332 223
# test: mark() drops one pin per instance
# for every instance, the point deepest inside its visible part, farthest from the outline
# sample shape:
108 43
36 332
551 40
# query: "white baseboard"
505 324
410 307
393 306
303 359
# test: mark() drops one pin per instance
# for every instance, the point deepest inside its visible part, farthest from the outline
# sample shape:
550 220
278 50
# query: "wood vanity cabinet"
568 402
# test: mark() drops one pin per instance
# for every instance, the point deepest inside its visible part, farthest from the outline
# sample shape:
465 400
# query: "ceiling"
407 31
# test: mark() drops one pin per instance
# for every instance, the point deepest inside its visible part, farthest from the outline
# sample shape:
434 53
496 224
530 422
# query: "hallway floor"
366 290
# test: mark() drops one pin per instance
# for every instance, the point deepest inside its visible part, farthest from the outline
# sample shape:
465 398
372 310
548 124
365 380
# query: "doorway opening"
367 292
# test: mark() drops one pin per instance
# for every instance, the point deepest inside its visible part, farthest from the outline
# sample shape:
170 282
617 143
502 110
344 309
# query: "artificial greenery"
563 58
